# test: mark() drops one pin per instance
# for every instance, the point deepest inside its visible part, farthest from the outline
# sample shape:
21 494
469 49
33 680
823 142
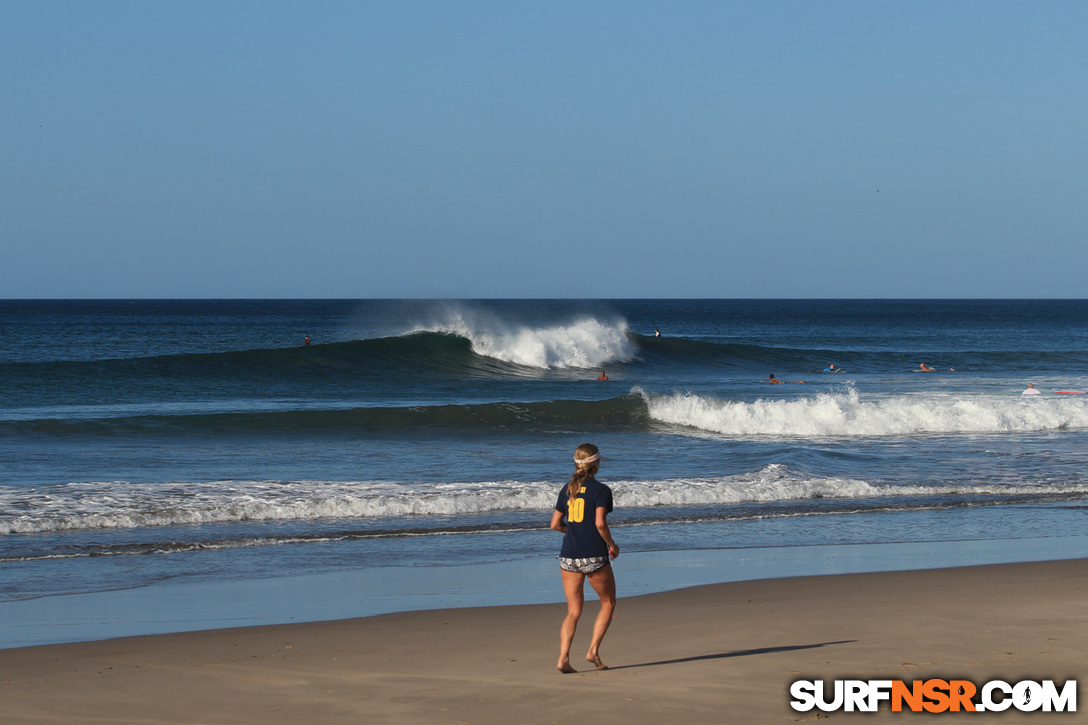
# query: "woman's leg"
604 583
572 587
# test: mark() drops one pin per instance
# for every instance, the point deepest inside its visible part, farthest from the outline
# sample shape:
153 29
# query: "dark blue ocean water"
150 440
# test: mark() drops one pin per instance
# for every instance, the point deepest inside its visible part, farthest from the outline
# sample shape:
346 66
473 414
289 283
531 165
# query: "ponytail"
576 481
584 469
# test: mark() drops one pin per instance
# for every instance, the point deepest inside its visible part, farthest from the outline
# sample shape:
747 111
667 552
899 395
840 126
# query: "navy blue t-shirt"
582 539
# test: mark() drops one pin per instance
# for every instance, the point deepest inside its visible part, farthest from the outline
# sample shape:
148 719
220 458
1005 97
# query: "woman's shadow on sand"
738 653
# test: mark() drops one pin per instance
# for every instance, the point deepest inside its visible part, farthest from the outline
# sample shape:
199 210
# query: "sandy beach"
723 653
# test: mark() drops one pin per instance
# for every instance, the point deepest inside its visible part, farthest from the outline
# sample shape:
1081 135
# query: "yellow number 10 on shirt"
576 510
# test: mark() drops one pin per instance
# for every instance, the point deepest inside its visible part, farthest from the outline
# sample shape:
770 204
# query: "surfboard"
1070 392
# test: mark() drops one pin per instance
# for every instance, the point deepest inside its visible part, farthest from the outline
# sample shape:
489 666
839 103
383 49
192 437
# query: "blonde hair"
583 468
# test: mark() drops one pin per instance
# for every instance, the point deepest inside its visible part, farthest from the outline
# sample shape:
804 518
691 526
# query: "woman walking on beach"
580 515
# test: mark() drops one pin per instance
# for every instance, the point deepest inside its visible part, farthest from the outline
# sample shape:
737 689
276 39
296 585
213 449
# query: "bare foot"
564 666
596 660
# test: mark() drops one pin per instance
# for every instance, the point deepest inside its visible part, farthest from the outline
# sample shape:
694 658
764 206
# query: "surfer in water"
772 379
831 368
1031 390
923 368
588 549
602 376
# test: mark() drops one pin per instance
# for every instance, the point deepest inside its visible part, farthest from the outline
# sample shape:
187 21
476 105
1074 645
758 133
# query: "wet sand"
723 653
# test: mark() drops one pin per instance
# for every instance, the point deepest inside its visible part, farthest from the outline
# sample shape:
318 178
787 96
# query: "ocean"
184 445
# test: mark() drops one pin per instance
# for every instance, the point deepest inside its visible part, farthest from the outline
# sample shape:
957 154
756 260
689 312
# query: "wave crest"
585 343
847 415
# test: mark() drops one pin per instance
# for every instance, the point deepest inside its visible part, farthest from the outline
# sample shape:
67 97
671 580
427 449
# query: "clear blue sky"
543 149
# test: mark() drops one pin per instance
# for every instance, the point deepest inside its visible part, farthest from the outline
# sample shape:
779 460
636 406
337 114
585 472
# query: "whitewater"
846 414
584 343
124 504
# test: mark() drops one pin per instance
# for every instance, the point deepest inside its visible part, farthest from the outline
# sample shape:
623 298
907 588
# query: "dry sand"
723 653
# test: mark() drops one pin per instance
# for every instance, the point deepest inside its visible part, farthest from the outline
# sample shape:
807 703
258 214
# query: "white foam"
584 343
847 414
120 504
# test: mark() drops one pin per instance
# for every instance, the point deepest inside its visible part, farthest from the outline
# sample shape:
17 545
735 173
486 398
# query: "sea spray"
583 343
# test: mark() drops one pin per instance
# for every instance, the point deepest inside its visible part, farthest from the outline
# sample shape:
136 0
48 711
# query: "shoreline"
186 605
717 653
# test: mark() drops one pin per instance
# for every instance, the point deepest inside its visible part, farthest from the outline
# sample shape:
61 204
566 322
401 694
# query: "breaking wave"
121 504
587 343
848 415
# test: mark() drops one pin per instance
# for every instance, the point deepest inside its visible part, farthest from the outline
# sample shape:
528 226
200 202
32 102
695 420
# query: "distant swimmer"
772 379
306 340
923 368
832 369
657 332
1031 390
602 376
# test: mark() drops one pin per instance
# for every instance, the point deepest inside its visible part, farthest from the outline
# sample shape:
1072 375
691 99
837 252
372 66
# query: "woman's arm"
558 524
606 534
